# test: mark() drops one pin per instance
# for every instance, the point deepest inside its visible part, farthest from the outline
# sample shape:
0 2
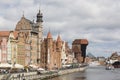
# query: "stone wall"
34 75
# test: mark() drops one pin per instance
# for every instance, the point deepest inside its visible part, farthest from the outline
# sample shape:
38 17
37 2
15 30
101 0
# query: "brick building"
26 46
79 49
51 52
3 46
30 39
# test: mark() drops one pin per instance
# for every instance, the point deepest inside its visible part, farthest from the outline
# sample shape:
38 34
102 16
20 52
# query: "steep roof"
4 33
59 38
15 33
80 41
49 35
24 24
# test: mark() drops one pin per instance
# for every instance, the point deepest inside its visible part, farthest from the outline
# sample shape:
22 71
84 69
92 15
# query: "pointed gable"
15 33
59 38
24 24
49 35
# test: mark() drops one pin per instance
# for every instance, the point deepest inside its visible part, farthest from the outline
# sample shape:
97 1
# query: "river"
92 73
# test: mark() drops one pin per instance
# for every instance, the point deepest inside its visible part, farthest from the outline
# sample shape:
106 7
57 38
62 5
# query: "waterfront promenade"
34 75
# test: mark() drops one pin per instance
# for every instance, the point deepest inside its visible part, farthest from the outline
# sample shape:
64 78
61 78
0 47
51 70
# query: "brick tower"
79 49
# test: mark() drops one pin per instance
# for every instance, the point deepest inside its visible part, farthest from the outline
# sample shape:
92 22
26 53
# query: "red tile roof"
7 33
49 35
4 33
59 38
15 33
80 41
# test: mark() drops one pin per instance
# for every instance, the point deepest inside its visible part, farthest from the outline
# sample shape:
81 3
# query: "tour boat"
94 63
109 68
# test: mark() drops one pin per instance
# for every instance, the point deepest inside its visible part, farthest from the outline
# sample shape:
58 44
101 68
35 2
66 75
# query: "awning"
66 65
40 69
5 65
18 66
33 66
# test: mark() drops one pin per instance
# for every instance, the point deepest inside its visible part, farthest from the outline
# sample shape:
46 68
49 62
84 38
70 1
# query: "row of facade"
25 45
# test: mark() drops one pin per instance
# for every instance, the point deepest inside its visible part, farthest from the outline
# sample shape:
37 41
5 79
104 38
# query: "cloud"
95 20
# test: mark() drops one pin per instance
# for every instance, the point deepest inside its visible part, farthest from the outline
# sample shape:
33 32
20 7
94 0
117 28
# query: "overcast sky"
95 20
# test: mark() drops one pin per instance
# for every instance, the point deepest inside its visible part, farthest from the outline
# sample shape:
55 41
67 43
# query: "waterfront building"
114 56
79 49
26 46
12 47
54 53
101 60
51 53
3 46
63 54
20 52
70 58
31 38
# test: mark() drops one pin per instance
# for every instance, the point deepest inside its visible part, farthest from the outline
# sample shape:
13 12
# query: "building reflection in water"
92 73
74 76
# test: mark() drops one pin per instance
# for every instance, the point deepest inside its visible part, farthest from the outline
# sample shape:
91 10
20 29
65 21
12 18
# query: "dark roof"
80 41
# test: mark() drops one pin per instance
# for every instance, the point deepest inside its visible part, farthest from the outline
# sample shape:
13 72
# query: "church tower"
33 38
39 22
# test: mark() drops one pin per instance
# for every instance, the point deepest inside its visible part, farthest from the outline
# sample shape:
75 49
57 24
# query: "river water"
92 73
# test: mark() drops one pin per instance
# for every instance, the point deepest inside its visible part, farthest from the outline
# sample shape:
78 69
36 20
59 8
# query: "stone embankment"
67 71
35 76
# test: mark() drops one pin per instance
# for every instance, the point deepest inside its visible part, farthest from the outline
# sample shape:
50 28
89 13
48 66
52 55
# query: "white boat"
94 63
109 67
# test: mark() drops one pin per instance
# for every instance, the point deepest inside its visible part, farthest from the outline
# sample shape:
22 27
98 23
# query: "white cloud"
95 20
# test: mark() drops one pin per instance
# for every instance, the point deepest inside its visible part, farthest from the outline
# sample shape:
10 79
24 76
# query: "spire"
49 35
23 15
59 38
39 17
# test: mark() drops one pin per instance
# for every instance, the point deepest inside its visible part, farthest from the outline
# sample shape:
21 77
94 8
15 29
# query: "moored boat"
116 64
94 63
109 67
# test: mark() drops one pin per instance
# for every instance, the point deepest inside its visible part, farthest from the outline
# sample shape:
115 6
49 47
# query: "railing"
35 75
6 77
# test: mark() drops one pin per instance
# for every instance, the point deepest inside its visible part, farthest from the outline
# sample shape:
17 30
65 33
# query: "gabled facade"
12 46
79 49
20 56
51 53
26 46
54 53
32 38
64 54
22 46
3 46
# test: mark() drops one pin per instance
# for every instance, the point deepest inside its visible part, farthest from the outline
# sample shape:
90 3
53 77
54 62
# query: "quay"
35 76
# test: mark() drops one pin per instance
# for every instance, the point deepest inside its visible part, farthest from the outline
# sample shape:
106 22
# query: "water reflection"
73 76
93 73
80 78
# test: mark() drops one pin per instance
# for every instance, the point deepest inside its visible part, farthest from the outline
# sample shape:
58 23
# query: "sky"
98 21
